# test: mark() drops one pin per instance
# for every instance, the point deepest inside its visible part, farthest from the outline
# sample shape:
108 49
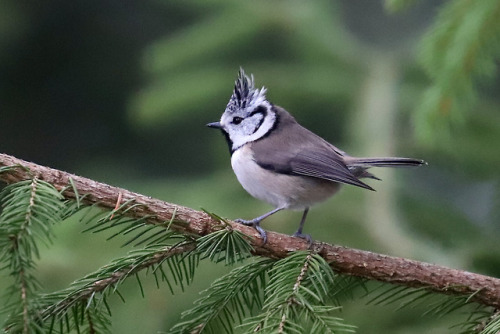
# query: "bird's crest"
244 93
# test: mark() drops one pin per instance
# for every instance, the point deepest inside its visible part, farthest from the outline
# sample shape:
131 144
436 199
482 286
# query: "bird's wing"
292 149
324 164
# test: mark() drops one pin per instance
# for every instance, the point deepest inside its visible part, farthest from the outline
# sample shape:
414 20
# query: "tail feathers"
361 172
383 162
365 174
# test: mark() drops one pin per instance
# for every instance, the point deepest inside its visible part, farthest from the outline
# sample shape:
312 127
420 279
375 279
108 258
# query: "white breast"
279 190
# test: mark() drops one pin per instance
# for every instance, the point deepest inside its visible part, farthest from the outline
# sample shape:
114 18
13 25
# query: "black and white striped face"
248 115
249 124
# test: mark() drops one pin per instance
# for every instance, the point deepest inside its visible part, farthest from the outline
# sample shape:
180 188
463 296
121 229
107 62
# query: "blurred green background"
120 91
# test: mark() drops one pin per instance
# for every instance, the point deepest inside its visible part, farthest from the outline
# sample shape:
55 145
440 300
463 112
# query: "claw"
307 237
262 233
256 225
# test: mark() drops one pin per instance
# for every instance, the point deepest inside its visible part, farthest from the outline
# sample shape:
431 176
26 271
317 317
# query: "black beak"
215 125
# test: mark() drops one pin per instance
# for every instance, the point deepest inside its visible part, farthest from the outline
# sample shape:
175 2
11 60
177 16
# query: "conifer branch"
87 292
482 289
24 300
22 276
459 51
490 325
295 289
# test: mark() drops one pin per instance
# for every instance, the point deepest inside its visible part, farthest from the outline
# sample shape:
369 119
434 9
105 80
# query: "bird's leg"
256 223
299 233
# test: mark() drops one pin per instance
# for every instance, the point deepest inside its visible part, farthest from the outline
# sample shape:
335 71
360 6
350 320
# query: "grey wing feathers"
294 150
324 165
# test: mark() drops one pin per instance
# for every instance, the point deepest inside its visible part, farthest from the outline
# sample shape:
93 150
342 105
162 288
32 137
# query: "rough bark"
372 266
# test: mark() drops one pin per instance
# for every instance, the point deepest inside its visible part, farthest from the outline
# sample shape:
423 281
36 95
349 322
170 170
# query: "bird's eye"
237 120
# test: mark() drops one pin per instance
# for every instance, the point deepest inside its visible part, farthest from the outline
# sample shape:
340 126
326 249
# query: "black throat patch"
228 141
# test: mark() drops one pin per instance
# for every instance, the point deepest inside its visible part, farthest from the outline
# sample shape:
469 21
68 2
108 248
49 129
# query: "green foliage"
265 296
301 52
460 51
296 298
477 322
138 231
172 261
225 245
83 319
173 265
29 210
413 297
230 299
180 79
394 6
297 294
492 326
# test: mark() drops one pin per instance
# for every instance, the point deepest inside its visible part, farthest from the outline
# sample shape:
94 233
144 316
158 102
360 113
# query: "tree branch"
372 266
99 285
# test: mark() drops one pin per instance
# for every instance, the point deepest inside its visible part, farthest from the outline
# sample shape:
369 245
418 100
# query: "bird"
278 161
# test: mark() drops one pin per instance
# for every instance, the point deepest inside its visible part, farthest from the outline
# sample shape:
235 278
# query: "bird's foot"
306 237
255 223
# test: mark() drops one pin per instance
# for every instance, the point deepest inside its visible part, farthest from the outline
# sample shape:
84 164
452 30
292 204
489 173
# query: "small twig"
24 299
480 327
22 276
117 206
295 290
485 289
90 321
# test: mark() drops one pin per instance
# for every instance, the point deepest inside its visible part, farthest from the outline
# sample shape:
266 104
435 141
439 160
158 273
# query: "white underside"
279 190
